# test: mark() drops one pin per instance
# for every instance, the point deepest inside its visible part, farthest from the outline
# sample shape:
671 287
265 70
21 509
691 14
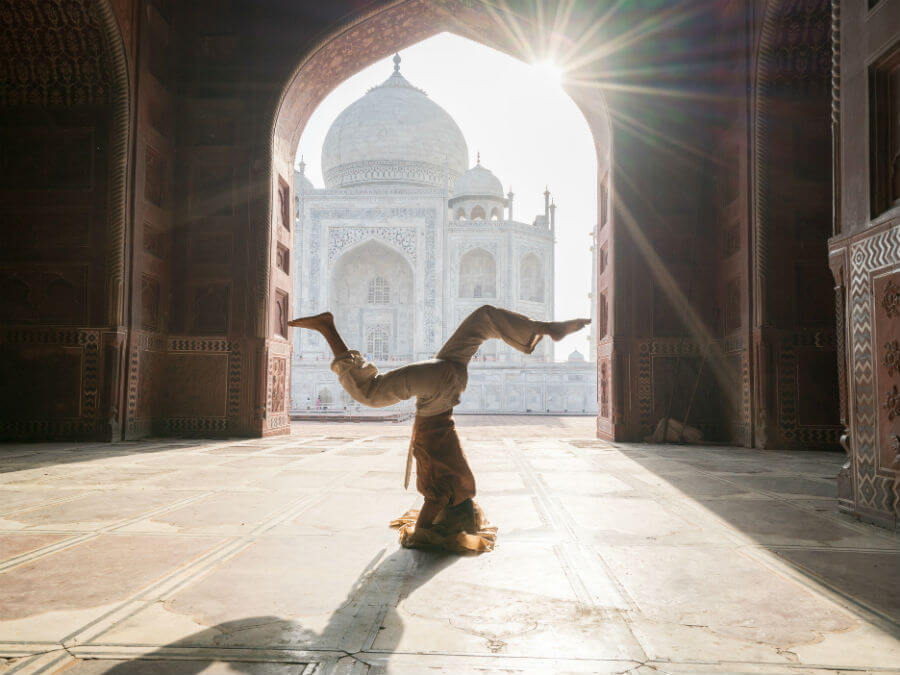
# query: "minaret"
509 196
553 216
547 204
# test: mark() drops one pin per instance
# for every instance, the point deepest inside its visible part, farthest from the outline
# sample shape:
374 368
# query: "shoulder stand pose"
449 518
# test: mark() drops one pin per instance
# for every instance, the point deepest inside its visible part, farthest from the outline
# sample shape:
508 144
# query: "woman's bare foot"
324 323
320 322
557 330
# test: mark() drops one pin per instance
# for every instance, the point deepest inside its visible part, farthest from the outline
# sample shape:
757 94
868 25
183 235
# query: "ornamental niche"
891 299
892 357
892 403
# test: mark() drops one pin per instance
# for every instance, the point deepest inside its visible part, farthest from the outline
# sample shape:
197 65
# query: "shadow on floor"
408 568
796 517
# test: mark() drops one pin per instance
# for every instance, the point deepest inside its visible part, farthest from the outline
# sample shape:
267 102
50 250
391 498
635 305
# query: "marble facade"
403 242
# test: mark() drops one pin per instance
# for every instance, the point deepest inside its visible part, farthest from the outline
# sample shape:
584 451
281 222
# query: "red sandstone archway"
361 42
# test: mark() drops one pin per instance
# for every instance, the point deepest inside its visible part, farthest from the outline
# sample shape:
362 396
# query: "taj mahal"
403 242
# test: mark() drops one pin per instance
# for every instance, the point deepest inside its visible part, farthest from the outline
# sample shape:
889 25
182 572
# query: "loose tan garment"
442 472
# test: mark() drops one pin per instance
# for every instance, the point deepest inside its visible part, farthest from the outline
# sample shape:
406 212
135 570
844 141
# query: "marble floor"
273 557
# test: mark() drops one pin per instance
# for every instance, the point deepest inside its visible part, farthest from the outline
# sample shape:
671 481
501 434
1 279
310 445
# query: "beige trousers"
436 383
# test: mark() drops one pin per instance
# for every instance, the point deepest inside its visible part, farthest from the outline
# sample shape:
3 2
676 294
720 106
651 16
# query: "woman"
450 518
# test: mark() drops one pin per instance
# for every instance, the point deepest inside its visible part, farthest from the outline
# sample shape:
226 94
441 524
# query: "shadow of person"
269 645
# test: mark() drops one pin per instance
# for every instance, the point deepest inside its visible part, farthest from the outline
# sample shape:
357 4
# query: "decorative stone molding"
406 239
342 238
891 300
86 400
417 173
873 490
892 403
892 357
836 114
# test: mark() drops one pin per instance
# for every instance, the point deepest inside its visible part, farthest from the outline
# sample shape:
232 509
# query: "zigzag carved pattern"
868 256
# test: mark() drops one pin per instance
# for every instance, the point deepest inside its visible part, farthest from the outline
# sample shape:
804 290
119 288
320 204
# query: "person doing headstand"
449 518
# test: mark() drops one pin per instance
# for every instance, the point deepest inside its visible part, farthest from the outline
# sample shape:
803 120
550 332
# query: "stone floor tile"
300 450
636 520
96 509
230 513
241 449
844 649
515 602
94 574
376 481
788 485
207 478
864 575
13 544
499 482
670 641
775 521
725 591
344 512
26 497
512 514
583 482
689 484
317 592
296 479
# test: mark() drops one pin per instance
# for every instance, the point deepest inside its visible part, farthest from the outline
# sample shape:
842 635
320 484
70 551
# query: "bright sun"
548 71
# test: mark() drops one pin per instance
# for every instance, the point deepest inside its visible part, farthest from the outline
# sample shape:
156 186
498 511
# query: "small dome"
393 134
478 182
576 356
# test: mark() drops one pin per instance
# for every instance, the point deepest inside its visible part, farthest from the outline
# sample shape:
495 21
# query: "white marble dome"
394 134
478 182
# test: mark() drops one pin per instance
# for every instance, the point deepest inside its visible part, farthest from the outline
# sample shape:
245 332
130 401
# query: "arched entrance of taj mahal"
475 275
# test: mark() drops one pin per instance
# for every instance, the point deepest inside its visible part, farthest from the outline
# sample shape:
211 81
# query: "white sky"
529 132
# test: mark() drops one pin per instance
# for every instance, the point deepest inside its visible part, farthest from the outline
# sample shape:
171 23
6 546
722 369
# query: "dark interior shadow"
408 569
21 456
813 539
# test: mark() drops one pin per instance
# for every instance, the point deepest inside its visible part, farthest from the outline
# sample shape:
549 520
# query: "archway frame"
119 174
350 47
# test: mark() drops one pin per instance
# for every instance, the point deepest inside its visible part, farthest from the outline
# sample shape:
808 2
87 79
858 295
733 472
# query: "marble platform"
273 557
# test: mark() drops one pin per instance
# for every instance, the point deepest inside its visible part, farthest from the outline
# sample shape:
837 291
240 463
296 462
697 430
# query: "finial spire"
478 157
396 63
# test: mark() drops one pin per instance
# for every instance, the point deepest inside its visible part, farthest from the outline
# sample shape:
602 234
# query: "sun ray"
694 323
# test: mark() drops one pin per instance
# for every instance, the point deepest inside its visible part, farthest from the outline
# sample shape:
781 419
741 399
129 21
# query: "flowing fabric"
442 538
442 471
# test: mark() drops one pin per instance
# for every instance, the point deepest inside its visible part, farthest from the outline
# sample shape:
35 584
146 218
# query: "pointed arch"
477 274
531 278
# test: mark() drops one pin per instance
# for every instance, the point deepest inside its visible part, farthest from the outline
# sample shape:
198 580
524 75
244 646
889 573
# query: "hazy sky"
528 131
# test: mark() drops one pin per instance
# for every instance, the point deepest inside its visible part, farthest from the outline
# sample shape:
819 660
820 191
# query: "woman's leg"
324 323
516 330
